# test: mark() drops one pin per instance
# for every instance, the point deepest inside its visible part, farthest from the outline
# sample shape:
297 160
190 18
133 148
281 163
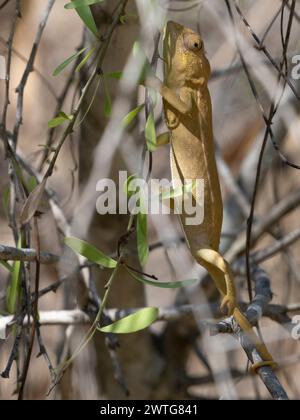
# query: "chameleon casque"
188 114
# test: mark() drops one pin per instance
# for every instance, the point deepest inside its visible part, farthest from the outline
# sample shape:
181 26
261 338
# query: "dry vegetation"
175 358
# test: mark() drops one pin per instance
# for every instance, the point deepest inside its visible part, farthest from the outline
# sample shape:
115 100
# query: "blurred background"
176 359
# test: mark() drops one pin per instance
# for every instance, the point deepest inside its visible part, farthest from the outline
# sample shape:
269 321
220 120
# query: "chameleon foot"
228 304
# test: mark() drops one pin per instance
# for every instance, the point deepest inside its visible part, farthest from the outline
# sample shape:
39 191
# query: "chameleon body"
188 113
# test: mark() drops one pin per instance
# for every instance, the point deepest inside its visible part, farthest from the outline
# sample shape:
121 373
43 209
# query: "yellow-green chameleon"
188 114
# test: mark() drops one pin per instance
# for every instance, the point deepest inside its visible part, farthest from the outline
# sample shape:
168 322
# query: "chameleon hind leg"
219 269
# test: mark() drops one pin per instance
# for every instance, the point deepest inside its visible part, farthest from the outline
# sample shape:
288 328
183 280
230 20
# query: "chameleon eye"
193 43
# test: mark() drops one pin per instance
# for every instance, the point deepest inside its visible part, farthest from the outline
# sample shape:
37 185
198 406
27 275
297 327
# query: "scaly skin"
188 113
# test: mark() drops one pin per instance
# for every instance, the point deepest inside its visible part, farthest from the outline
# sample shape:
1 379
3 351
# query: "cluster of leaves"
83 9
144 317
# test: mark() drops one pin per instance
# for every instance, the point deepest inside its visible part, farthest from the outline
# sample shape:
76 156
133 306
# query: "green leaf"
90 252
162 285
81 3
150 132
64 115
123 19
132 115
178 192
126 185
13 290
55 122
85 60
142 238
68 61
59 120
132 323
6 265
107 101
32 183
85 13
114 75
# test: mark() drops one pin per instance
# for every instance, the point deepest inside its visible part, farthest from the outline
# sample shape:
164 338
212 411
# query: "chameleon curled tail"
220 271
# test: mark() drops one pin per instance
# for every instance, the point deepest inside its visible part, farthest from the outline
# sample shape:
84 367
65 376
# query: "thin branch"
170 314
42 77
266 52
288 240
58 108
29 68
8 253
4 3
280 210
263 295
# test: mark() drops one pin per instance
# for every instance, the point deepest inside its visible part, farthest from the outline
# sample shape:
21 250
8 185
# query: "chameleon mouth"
174 25
172 32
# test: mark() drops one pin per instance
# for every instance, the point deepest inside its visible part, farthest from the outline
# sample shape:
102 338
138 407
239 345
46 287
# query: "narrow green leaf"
142 238
126 185
59 120
90 252
114 75
86 16
132 323
132 115
84 13
68 61
13 290
6 265
55 122
123 19
91 103
162 285
66 116
85 60
150 132
107 101
178 192
171 193
81 3
32 183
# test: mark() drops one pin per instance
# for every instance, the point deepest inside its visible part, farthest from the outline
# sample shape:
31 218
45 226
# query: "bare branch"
8 253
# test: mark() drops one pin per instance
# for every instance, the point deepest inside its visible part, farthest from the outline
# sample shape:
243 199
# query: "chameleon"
188 114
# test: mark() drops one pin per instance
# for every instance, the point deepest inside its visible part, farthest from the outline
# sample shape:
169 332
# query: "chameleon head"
184 56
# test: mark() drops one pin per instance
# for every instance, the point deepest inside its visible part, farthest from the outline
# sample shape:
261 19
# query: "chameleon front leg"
220 271
182 104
